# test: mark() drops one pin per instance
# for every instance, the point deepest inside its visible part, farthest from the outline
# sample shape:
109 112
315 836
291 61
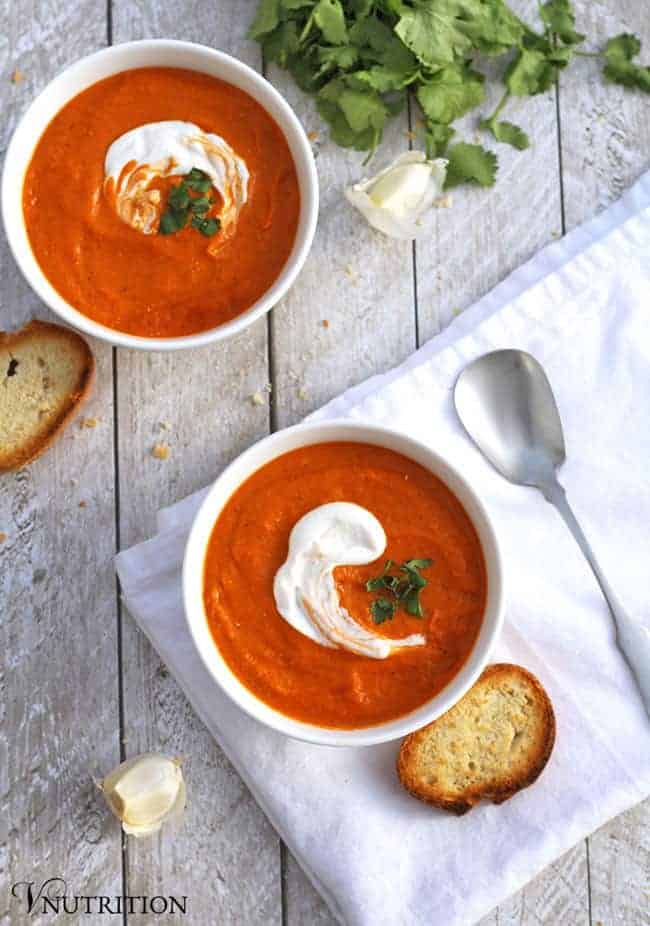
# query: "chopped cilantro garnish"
404 587
360 59
181 204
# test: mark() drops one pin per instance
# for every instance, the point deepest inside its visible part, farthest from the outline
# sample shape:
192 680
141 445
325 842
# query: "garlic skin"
395 199
145 791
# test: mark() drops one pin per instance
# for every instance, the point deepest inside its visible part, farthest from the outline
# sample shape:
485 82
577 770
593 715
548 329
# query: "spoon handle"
632 638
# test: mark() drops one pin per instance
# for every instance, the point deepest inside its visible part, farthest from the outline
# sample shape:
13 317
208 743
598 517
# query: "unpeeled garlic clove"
395 199
145 791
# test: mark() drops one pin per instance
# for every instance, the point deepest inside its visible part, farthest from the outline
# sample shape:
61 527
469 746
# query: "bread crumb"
160 451
164 426
351 273
444 202
3 536
411 135
325 323
82 504
17 77
257 398
303 394
556 235
312 136
89 422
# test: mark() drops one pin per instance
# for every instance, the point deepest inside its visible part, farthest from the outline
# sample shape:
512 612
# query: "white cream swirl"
165 149
332 535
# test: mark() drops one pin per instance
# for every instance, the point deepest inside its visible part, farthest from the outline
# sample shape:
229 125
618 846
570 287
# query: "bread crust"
33 448
510 785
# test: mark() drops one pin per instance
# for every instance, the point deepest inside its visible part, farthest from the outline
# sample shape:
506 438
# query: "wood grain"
226 857
58 633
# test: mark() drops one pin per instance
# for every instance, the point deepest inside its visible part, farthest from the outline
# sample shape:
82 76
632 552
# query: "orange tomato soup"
151 284
289 671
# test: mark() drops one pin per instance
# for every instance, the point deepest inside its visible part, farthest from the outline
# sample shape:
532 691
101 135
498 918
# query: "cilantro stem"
588 54
305 32
497 112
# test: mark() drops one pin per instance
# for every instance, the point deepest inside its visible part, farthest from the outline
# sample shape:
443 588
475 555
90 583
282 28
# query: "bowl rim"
24 136
234 475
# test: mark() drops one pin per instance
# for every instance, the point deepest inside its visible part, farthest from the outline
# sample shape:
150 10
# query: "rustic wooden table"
81 687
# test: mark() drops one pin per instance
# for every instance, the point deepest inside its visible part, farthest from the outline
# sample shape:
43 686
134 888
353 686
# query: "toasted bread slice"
46 371
493 743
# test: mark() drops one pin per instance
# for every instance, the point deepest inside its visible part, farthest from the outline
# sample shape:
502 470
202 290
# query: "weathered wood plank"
58 632
226 858
351 313
605 144
486 234
605 127
619 867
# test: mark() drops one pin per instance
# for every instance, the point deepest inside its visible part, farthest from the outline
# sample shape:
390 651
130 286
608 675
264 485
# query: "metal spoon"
507 407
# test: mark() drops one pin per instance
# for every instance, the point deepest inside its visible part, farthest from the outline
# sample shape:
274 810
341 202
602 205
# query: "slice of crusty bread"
490 745
45 373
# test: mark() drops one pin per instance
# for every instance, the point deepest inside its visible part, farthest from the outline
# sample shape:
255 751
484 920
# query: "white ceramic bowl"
153 53
229 481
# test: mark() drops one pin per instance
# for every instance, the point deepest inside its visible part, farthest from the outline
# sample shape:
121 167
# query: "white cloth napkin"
379 857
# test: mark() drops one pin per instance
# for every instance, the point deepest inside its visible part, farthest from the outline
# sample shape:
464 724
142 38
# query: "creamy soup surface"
296 675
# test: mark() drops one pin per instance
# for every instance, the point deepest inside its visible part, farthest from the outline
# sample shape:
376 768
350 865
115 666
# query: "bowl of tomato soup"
160 195
343 583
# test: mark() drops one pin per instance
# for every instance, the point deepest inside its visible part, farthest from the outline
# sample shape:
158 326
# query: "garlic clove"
402 189
145 791
395 199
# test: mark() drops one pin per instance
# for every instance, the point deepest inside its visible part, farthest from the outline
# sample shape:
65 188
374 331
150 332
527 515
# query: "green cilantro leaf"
363 110
494 28
619 66
181 205
530 72
198 181
436 138
412 603
328 16
451 93
470 163
207 227
339 57
266 19
280 44
506 132
171 222
405 590
417 564
382 610
200 205
558 15
432 30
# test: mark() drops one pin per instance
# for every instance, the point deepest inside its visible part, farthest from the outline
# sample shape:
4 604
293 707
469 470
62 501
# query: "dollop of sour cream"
332 535
165 149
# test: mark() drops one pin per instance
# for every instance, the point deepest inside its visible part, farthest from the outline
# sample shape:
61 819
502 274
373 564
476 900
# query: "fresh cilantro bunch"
361 58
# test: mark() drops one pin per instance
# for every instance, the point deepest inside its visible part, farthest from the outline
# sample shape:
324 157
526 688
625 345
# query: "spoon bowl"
505 403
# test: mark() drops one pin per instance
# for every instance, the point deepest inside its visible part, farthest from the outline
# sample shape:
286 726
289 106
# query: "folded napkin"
379 857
